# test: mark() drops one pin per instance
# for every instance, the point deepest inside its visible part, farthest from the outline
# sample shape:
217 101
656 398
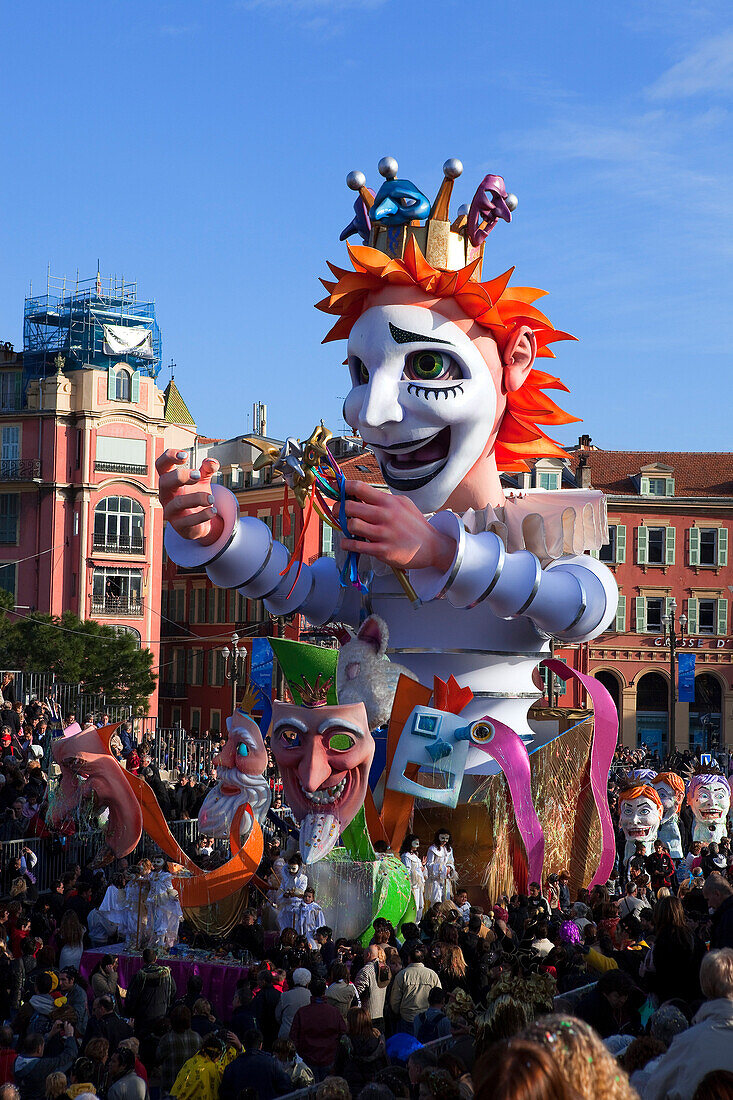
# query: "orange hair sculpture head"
676 782
492 305
641 790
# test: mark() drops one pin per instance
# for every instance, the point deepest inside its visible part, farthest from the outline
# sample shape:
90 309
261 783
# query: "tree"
96 657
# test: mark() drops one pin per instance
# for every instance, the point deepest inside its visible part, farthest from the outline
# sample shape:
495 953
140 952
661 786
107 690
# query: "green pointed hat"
306 667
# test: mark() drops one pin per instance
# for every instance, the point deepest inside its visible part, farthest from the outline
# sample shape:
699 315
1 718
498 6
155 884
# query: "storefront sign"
696 643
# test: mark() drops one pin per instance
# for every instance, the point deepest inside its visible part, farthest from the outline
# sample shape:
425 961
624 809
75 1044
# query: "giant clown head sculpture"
640 815
324 754
709 798
240 768
671 790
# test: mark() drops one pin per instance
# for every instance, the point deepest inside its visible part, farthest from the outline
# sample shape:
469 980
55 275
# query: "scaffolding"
72 319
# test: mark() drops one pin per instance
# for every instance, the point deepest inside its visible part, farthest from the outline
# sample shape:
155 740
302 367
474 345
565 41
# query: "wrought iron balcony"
118 608
20 469
120 468
169 690
105 545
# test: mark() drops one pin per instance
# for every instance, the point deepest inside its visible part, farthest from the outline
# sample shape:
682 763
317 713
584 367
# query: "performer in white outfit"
113 907
293 884
309 917
409 854
440 868
138 927
165 906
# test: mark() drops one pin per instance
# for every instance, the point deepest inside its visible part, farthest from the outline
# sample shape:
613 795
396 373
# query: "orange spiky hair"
493 305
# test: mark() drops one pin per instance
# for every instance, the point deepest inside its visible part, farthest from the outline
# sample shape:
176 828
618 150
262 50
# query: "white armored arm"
574 597
246 557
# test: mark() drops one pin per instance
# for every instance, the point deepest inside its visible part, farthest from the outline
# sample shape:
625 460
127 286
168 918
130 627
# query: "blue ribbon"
350 571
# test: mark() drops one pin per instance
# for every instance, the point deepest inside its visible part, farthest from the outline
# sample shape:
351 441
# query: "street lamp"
671 638
234 663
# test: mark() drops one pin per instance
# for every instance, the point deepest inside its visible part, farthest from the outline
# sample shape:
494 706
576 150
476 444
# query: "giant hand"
186 496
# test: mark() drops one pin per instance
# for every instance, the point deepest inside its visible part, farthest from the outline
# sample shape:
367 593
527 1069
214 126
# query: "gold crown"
314 694
445 244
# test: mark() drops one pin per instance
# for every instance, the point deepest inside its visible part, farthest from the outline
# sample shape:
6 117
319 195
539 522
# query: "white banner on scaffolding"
128 340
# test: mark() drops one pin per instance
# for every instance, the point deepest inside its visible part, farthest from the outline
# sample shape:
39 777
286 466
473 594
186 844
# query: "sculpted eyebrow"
402 336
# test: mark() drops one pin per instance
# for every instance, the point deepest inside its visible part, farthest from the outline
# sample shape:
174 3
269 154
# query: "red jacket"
316 1030
7 1061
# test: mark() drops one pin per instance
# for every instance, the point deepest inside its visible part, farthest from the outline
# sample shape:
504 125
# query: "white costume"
415 870
137 927
441 871
113 910
165 906
308 917
287 907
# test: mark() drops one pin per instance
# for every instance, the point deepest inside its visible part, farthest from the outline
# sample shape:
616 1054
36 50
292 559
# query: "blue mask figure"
361 222
399 202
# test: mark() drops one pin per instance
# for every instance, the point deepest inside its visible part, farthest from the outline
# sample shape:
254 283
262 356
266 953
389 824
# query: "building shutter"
620 543
135 388
694 544
668 605
692 615
621 614
326 540
111 384
641 614
642 545
644 486
669 546
210 667
722 617
669 486
722 546
594 553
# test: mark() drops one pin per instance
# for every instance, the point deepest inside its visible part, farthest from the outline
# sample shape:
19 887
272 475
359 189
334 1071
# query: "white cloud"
708 69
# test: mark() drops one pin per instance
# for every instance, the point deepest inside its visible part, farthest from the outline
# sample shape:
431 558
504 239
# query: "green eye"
340 742
428 365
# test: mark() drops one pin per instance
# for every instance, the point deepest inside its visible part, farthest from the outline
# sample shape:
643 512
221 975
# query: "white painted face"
670 801
710 802
639 818
423 398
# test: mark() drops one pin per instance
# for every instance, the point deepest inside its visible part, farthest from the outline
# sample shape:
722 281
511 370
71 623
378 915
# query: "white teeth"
324 797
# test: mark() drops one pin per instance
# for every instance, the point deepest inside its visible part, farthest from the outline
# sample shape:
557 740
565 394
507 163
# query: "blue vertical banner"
686 677
261 665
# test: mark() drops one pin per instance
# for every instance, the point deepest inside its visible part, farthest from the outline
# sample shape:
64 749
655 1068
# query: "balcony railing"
169 690
11 403
120 468
19 469
118 607
105 545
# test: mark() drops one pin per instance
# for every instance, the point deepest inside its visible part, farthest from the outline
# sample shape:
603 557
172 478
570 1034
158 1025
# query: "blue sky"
202 148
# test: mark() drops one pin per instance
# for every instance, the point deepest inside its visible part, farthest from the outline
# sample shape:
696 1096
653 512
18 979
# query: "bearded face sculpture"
709 799
640 815
324 754
240 770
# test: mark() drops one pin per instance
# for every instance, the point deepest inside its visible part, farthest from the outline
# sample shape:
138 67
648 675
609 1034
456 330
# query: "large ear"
518 357
374 632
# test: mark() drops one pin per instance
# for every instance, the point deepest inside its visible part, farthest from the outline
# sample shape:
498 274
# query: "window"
547 479
215 670
608 551
196 667
9 512
289 538
117 591
178 666
327 550
217 605
649 612
176 716
119 629
215 721
123 385
619 623
10 454
198 605
614 551
177 605
656 486
11 391
707 616
655 545
256 611
8 578
117 454
708 546
195 719
239 608
553 686
119 525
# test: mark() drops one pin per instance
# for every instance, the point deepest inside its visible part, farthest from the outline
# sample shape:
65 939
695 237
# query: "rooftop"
696 473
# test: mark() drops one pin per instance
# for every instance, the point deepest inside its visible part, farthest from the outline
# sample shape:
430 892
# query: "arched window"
611 684
123 385
706 714
119 526
652 706
134 634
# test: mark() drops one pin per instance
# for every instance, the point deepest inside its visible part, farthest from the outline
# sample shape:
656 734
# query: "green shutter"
621 614
669 486
210 667
594 553
111 384
620 543
692 615
644 486
212 606
669 546
326 540
642 545
668 605
135 388
722 616
641 614
722 546
694 545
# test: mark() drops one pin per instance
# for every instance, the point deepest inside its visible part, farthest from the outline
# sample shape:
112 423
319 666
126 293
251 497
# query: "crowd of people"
621 991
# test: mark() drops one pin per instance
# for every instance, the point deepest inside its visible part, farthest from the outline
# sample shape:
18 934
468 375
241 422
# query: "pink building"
82 422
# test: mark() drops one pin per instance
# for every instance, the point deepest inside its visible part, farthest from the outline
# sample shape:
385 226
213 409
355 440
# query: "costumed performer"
445 391
440 868
293 883
138 927
309 917
671 790
410 856
113 906
164 905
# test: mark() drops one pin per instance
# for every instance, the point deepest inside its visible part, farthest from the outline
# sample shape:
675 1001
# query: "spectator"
410 990
105 978
254 1068
126 1085
294 998
361 1051
203 1020
70 940
371 983
32 1066
152 992
719 896
8 1054
176 1047
341 993
80 1078
106 1023
70 986
316 1030
264 1007
610 1007
201 1076
433 1023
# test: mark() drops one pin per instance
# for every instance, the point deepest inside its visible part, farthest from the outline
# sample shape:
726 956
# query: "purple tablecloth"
220 981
